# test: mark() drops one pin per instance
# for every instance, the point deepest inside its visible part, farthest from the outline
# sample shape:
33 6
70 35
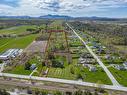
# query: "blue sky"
76 8
12 3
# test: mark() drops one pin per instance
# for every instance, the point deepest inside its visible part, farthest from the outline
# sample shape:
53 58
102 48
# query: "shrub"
0 61
56 63
27 66
72 70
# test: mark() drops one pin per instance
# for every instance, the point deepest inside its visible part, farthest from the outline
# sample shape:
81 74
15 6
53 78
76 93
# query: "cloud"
64 7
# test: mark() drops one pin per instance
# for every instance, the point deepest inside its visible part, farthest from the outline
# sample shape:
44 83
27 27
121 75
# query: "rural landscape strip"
72 82
113 80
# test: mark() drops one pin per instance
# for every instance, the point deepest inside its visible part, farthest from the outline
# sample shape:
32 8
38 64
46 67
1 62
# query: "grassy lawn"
109 62
4 41
61 73
17 30
121 76
34 60
19 70
94 77
20 42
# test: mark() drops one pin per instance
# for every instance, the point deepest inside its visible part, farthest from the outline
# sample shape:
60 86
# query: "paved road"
35 70
71 82
113 80
2 67
38 85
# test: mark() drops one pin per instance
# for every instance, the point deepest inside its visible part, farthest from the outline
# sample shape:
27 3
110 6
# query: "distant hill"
56 17
64 17
15 17
41 17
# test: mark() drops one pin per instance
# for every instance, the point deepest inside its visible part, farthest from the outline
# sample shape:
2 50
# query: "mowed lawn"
17 30
96 77
19 70
121 76
64 73
4 40
19 42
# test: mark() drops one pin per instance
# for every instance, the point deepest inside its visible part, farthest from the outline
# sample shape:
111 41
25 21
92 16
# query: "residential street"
113 80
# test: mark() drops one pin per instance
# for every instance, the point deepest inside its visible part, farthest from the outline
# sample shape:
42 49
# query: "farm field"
19 42
17 30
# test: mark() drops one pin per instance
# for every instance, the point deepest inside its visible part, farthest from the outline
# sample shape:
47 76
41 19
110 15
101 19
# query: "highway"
113 80
70 82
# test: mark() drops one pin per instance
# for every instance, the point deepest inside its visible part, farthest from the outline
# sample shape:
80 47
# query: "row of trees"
78 92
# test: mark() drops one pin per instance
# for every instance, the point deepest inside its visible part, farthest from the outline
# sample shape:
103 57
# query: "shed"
92 68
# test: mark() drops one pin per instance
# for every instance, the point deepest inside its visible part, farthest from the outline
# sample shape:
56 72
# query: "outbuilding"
10 53
92 68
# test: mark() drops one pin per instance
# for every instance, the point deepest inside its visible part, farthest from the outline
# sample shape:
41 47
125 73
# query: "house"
73 36
33 66
86 55
86 61
100 50
81 60
119 67
125 65
107 56
92 68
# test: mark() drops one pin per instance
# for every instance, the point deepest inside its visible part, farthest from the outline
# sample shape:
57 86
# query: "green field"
121 76
20 42
19 70
94 77
88 76
17 30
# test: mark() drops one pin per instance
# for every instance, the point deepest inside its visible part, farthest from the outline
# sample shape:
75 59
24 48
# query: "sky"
75 8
